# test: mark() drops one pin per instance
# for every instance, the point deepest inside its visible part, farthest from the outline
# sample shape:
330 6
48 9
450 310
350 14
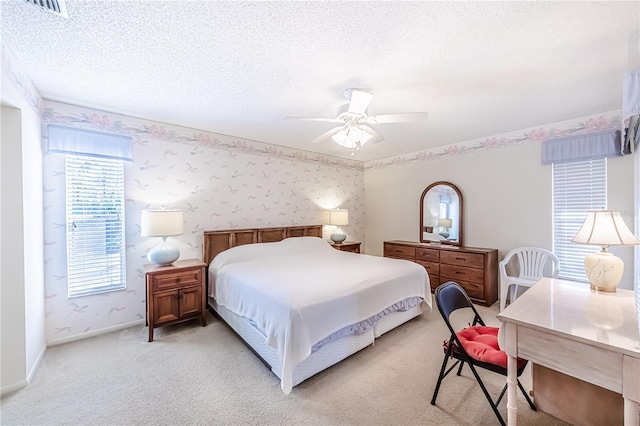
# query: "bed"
302 306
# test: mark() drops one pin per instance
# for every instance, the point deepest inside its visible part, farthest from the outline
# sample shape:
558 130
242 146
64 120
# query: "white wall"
33 211
23 342
14 367
22 265
507 198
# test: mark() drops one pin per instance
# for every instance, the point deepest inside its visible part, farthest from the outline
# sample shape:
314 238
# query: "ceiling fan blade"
375 136
359 101
406 117
327 134
323 119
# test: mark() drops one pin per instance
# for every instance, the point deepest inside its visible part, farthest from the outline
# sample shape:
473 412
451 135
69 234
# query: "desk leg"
631 413
631 390
511 348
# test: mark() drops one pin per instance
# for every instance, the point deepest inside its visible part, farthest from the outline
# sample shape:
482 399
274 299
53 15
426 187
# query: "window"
95 225
577 187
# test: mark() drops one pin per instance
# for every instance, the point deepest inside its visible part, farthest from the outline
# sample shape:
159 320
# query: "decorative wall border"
13 71
76 116
606 121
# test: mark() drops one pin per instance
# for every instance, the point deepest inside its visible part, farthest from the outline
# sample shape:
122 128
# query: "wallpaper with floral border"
220 182
13 71
606 121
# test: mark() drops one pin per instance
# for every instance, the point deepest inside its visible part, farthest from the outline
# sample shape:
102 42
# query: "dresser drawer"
432 268
472 260
393 250
456 273
177 279
474 290
430 255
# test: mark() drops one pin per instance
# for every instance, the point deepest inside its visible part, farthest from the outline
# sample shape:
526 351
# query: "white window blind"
95 225
578 187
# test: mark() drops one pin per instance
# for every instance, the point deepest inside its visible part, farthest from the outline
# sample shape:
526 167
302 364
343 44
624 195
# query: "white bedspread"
300 290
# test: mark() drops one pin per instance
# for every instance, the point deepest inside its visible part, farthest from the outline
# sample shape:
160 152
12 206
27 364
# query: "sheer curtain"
630 140
636 216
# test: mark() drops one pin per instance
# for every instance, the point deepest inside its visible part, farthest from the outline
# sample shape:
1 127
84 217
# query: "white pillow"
287 246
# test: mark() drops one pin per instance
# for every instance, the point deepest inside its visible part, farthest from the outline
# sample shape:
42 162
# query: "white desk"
565 326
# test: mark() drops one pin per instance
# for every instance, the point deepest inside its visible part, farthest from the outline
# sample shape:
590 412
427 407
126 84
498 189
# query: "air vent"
54 6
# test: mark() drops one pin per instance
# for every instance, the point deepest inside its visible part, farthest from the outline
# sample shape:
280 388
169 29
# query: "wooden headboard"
218 241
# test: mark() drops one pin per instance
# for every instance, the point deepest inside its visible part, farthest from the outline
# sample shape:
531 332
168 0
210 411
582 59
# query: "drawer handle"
178 280
460 273
460 258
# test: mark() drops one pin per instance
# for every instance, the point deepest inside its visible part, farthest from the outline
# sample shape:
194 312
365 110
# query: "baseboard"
95 333
36 364
24 383
13 387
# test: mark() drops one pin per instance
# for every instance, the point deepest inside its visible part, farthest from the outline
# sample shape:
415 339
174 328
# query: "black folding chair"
449 298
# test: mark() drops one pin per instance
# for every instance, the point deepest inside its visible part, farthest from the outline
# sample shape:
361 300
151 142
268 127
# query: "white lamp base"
604 271
164 254
338 236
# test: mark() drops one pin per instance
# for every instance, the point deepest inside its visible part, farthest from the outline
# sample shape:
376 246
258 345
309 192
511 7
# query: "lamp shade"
445 223
605 228
161 223
337 217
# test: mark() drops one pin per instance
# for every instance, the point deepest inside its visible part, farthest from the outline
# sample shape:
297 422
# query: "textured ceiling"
238 68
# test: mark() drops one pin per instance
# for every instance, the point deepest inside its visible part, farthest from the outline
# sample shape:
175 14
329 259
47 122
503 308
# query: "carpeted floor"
194 375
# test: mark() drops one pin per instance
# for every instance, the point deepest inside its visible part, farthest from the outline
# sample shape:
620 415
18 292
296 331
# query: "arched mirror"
441 214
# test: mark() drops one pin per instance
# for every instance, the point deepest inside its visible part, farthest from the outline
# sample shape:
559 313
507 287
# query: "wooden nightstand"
352 246
175 293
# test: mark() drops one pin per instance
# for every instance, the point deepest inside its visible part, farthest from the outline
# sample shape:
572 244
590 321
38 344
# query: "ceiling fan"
353 131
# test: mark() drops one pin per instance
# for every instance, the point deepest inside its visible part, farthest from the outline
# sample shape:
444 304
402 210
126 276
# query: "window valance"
70 140
579 148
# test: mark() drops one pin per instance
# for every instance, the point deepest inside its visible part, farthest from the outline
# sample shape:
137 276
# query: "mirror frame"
458 242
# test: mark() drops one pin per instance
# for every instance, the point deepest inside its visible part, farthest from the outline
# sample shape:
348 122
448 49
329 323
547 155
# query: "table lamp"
338 217
162 223
446 224
604 228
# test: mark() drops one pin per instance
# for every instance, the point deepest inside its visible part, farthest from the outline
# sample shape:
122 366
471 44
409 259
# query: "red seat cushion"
481 343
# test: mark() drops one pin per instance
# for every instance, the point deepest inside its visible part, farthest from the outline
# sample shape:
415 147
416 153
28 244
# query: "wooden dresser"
475 269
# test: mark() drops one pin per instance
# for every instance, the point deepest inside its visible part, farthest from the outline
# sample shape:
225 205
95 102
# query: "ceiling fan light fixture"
351 138
355 134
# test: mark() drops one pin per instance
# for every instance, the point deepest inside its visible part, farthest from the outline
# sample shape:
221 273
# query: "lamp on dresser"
162 223
445 224
604 228
338 218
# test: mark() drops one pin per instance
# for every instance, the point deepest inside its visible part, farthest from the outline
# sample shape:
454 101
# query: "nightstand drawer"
350 246
169 281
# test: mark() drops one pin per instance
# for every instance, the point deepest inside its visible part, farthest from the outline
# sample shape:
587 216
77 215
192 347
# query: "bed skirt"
321 359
